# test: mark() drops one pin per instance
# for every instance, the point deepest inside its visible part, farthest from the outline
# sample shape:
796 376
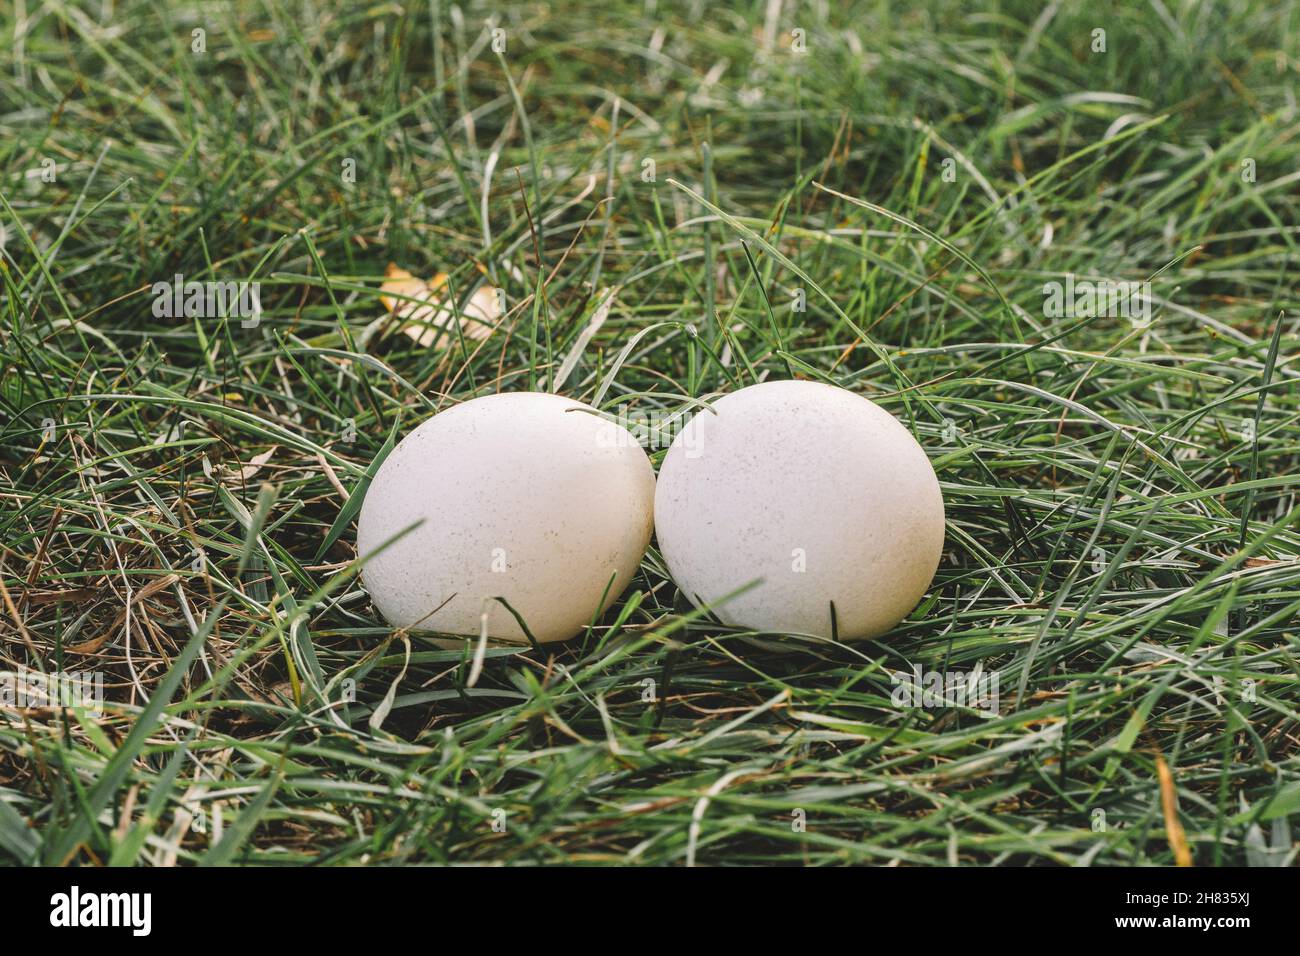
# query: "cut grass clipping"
674 201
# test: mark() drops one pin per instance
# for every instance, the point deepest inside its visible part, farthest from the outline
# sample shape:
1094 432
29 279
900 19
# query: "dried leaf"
254 465
1169 805
431 320
146 592
66 596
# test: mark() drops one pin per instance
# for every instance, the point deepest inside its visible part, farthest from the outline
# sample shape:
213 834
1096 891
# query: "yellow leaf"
430 320
1169 805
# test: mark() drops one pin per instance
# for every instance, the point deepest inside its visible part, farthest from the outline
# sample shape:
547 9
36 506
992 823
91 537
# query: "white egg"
529 497
814 492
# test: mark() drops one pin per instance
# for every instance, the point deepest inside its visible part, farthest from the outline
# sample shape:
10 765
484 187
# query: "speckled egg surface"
527 496
818 493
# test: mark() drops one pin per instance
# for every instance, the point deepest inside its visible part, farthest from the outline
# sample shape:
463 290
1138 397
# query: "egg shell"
817 493
526 496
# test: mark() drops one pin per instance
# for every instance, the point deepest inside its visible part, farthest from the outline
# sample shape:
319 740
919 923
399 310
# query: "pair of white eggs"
789 507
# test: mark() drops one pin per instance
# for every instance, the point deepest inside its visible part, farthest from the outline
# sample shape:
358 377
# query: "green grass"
1121 549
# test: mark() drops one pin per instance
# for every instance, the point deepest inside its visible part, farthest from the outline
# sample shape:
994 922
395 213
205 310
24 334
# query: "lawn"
659 203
